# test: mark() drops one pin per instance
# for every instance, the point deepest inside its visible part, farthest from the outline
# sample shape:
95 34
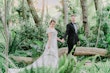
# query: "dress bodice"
53 33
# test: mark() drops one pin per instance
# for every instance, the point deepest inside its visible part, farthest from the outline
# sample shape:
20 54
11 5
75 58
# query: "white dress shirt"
75 27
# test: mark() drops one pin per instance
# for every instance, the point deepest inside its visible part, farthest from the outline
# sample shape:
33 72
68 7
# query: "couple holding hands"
50 55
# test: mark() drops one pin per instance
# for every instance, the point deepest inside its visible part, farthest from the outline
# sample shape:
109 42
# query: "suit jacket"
72 35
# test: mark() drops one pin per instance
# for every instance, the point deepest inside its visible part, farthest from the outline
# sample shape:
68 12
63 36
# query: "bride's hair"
52 21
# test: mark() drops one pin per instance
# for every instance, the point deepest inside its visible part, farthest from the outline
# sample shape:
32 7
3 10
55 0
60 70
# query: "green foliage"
101 67
13 42
72 9
1 3
2 64
3 61
2 47
40 70
26 38
105 28
69 64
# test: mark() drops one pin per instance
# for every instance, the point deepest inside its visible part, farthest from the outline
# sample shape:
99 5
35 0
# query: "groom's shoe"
72 53
73 50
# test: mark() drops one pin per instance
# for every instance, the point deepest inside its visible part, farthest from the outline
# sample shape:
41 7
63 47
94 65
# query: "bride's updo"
52 21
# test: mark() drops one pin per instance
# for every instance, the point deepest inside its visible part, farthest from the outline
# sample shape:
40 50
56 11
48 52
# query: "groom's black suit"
72 36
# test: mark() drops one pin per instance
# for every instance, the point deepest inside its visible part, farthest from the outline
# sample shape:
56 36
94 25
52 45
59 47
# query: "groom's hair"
52 21
73 15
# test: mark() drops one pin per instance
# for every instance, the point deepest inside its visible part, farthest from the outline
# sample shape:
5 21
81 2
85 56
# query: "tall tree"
65 11
96 4
43 8
33 12
9 10
85 18
6 35
98 12
47 13
23 9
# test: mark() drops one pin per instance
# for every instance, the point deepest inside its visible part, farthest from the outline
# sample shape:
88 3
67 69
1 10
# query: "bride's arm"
59 39
49 39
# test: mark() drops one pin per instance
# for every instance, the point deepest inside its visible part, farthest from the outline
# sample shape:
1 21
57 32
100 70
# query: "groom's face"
72 18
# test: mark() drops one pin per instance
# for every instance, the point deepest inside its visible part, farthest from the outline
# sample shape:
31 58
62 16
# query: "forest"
23 25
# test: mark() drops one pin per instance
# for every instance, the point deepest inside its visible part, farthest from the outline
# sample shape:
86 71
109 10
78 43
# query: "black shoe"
72 53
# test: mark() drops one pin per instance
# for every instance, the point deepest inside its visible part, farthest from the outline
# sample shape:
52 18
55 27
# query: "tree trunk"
96 4
47 14
9 11
23 9
6 36
27 60
85 18
43 7
65 11
33 12
98 12
84 51
80 51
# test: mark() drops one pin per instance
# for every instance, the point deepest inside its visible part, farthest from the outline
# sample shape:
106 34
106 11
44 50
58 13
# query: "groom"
71 31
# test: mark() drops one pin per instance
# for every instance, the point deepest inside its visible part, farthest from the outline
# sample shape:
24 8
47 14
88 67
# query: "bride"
50 56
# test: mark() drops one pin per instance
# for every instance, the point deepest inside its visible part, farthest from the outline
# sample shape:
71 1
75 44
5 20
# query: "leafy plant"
101 67
39 70
2 63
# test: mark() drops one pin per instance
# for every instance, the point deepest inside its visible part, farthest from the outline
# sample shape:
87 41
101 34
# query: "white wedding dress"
50 56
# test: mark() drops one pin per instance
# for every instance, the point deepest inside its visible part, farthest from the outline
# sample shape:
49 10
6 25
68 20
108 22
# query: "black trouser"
70 47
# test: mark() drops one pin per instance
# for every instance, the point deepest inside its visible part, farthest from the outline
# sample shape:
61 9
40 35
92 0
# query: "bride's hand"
48 47
62 40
